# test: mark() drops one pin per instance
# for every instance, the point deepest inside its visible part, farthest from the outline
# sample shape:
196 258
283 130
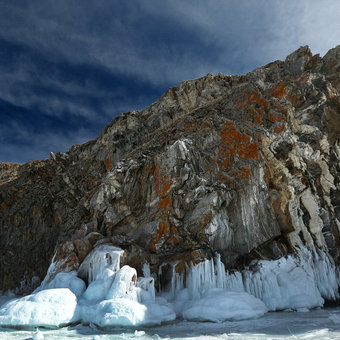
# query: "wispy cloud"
28 145
84 62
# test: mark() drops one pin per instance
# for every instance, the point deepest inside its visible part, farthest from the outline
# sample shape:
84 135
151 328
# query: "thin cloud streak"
82 63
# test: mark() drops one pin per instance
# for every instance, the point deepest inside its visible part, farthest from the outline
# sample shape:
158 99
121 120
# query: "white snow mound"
47 308
220 305
65 280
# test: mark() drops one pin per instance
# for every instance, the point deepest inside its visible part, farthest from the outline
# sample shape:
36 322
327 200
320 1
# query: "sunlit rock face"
246 166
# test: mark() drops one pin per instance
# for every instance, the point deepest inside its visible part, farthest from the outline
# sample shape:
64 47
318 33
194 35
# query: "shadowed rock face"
247 166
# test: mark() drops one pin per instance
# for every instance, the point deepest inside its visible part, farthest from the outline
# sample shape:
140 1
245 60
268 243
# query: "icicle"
51 271
220 273
160 288
147 285
146 270
234 282
205 275
176 281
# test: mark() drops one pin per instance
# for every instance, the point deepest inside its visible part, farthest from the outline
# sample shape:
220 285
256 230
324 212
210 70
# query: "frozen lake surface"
316 324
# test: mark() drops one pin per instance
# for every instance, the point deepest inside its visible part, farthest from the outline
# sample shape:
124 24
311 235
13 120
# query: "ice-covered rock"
299 282
47 308
127 312
102 258
147 288
124 284
68 280
118 312
220 305
120 302
293 282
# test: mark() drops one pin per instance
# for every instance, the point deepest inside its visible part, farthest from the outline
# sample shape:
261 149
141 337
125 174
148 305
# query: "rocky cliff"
245 166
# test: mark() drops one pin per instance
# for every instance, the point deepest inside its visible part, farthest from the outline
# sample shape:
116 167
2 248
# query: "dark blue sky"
67 68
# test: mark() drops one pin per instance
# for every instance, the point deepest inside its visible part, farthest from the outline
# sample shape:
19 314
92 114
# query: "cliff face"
246 166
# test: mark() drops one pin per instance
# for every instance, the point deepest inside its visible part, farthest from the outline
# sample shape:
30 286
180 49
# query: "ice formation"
124 301
294 282
49 308
206 298
206 275
116 297
105 258
219 305
65 280
298 282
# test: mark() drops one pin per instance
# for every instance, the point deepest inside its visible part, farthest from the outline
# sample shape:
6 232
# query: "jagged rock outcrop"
246 166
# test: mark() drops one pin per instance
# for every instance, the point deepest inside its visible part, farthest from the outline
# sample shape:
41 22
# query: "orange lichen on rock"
175 238
186 260
255 98
107 164
276 117
206 218
242 172
165 204
162 189
165 233
235 143
161 232
222 177
235 146
57 218
293 99
162 181
83 247
302 79
191 126
248 151
66 258
255 105
257 113
279 91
